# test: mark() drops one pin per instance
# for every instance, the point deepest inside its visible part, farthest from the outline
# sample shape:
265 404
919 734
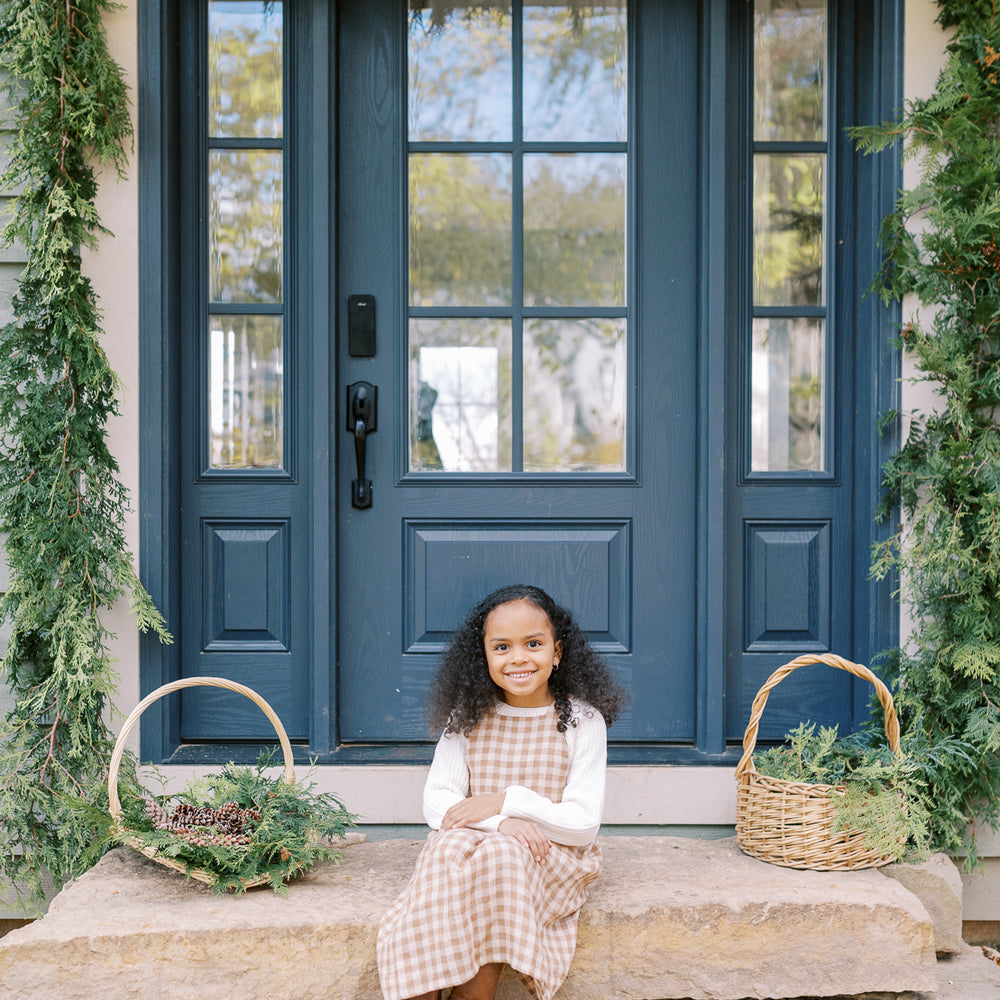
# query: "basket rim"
746 766
114 804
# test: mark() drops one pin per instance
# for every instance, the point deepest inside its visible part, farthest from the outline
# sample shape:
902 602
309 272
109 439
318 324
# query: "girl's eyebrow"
502 638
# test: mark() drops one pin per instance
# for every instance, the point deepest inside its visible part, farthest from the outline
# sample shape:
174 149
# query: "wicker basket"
793 823
114 805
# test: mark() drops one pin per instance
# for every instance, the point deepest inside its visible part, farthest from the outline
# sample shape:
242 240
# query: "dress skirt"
477 897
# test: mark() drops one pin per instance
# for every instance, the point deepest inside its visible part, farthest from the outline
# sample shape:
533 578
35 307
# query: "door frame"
163 32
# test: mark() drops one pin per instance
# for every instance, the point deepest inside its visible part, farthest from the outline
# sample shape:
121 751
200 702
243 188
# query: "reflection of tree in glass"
788 229
425 449
574 240
245 225
460 229
790 70
574 395
804 413
244 49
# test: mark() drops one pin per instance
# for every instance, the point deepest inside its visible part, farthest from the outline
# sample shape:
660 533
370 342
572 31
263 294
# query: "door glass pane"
574 229
460 395
460 229
575 72
460 69
499 234
244 69
244 228
246 405
788 229
574 395
790 70
788 394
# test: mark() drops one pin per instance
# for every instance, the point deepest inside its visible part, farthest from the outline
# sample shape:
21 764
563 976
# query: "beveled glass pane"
788 395
246 392
788 241
575 72
790 70
574 229
460 395
244 69
244 226
460 71
574 395
460 229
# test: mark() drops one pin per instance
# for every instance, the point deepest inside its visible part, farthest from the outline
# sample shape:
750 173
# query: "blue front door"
582 286
535 342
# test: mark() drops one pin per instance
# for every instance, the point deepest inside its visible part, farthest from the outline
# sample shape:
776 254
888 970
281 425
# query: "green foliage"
888 797
941 246
294 831
61 503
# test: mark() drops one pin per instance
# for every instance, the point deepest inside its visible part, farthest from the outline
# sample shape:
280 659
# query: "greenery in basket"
267 828
942 247
884 796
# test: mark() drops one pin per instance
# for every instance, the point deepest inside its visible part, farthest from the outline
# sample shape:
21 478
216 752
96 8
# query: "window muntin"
245 337
518 177
789 335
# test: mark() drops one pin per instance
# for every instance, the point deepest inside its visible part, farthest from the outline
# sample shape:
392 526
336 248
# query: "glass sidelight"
246 158
789 336
518 197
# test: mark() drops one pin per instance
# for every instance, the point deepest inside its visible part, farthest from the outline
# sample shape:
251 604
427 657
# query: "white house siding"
666 795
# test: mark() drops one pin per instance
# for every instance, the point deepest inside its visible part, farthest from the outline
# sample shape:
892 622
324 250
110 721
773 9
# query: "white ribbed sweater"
573 821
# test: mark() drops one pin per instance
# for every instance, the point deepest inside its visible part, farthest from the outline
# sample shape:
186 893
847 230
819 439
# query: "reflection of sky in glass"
244 69
460 73
466 413
575 73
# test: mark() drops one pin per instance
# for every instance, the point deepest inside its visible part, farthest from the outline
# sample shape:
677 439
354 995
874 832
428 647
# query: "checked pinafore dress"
478 897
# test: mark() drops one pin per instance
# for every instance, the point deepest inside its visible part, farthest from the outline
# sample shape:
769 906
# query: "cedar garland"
941 247
62 506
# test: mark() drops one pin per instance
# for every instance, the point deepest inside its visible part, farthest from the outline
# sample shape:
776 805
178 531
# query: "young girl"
514 799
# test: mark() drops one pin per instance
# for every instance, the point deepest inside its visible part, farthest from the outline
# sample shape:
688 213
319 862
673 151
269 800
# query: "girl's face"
520 652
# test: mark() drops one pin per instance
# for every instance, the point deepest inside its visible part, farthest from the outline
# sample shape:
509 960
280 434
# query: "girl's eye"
534 643
501 647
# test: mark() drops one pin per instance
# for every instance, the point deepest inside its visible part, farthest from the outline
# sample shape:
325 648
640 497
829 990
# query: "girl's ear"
558 649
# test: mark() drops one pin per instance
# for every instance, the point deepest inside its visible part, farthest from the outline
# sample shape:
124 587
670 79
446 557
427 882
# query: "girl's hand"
474 809
529 834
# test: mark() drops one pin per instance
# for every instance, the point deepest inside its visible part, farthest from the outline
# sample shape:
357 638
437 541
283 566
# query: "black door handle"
362 417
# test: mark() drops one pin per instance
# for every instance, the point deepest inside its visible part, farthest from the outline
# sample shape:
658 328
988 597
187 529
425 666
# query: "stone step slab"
669 918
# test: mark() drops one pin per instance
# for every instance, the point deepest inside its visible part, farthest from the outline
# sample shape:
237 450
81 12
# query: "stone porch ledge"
670 917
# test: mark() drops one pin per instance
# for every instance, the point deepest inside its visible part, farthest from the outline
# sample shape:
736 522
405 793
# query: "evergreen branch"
61 504
941 245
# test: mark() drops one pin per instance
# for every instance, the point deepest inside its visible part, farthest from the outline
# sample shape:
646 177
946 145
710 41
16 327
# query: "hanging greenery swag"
942 246
62 505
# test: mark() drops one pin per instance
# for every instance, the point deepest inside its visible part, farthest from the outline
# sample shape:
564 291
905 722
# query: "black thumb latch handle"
362 416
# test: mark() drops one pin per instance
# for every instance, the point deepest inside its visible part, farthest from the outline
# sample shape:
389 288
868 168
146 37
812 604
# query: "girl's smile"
521 651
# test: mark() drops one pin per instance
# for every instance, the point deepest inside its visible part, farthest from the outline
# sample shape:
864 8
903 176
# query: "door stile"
715 310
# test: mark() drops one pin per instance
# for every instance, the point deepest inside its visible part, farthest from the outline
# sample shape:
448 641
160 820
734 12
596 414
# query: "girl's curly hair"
463 691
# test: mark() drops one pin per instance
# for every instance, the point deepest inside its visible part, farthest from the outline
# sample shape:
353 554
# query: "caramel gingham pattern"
478 897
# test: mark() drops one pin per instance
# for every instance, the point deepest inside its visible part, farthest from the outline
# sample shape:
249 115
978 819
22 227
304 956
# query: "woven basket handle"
832 660
114 806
